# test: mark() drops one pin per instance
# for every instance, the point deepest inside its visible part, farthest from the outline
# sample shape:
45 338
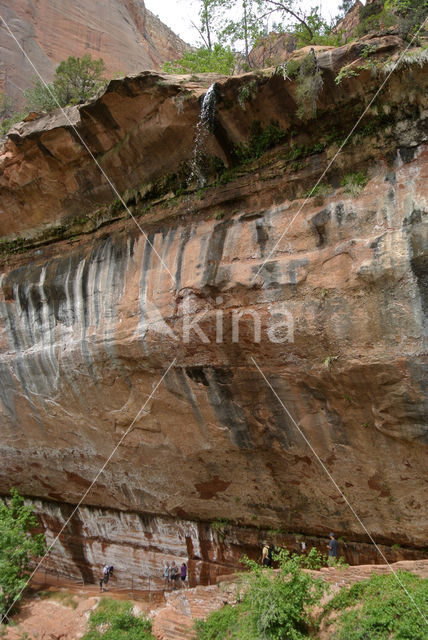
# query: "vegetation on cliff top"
225 26
19 546
76 80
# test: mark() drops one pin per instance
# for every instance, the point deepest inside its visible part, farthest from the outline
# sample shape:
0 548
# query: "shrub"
6 106
354 183
321 30
260 141
309 87
247 93
76 80
410 14
219 59
18 547
273 605
41 97
321 190
7 123
314 559
114 620
381 609
219 624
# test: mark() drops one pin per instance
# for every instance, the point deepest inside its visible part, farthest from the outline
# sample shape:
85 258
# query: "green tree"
246 27
219 59
208 16
288 10
319 31
244 22
41 97
19 546
76 80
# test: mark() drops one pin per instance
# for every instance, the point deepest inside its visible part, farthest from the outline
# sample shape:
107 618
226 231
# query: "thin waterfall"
204 126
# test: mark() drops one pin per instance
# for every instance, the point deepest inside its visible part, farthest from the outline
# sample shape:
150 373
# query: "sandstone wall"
90 324
125 34
139 546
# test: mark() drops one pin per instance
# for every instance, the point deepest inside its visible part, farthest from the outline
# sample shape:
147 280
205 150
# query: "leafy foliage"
381 609
375 16
321 190
7 115
354 183
273 605
314 559
18 547
246 93
219 59
220 624
320 31
114 620
7 123
260 141
41 97
310 84
76 80
410 14
244 24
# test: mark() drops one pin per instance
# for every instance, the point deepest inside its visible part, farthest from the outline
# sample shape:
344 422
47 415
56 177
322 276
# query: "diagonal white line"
338 152
90 486
339 489
112 185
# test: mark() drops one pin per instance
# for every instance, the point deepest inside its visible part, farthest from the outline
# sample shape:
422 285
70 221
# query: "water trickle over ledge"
78 358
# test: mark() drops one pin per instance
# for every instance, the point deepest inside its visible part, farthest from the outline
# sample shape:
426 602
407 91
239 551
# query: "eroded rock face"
325 296
125 34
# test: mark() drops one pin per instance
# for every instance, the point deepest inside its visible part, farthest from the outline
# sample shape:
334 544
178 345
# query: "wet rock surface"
326 296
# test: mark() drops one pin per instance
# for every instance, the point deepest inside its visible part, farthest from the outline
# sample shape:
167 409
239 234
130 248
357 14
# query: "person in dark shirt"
332 550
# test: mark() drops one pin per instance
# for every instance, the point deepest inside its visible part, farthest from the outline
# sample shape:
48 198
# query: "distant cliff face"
124 33
91 322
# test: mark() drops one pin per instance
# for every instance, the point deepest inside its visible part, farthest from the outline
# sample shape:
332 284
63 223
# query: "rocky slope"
123 32
93 314
173 613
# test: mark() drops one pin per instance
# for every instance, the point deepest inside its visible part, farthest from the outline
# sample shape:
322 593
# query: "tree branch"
281 7
201 34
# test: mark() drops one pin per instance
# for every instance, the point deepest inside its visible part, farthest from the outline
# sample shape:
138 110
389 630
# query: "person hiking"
266 555
332 547
107 572
173 575
183 574
166 573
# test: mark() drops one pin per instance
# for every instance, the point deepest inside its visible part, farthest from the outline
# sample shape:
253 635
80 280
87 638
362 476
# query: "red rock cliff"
123 32
83 344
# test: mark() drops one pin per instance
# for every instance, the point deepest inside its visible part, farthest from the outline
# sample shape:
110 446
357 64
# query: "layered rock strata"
124 33
326 296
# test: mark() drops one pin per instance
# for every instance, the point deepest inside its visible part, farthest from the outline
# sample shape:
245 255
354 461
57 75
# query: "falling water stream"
204 126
